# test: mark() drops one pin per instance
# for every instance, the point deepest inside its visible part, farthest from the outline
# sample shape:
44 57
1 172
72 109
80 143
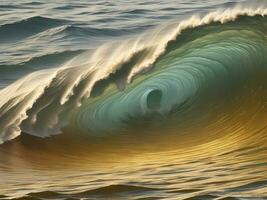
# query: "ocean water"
133 100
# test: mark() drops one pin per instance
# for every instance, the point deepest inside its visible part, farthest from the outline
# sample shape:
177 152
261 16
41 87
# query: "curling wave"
160 76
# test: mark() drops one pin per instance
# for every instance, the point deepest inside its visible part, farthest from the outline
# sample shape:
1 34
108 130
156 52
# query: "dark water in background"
190 125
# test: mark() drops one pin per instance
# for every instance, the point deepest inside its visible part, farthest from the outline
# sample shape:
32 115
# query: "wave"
75 31
27 27
40 61
157 75
123 190
11 73
107 191
34 27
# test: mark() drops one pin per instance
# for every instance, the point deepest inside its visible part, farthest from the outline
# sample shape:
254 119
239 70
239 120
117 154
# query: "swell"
101 192
44 102
98 32
11 73
47 59
125 191
27 27
33 26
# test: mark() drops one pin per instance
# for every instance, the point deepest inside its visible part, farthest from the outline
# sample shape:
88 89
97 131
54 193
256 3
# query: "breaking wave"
168 78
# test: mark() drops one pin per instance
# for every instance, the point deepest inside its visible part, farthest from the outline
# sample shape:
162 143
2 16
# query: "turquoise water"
133 100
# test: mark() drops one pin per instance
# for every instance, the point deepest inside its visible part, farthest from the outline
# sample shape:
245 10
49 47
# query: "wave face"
202 63
179 111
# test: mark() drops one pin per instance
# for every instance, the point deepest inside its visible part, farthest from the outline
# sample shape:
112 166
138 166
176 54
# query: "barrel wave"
146 77
202 63
178 112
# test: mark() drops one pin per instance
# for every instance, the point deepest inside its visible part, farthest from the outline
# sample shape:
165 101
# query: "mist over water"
133 100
